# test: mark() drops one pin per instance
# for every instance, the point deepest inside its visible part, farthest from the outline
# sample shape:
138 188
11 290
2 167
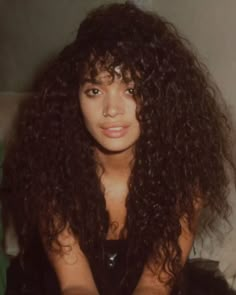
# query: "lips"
115 130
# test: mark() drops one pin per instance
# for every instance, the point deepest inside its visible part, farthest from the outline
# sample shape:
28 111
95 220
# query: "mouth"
115 128
115 131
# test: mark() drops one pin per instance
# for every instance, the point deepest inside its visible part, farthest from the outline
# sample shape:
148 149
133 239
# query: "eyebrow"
97 82
92 81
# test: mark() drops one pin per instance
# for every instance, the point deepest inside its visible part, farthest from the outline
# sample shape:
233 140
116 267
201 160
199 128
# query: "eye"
92 92
130 91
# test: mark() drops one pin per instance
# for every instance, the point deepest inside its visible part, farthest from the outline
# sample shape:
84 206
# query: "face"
109 110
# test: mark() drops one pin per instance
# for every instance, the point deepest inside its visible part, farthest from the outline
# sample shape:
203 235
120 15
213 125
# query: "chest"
115 197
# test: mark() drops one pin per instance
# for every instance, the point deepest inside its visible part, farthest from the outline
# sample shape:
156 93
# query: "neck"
115 164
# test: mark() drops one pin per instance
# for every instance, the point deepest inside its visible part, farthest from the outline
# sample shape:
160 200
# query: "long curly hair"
183 153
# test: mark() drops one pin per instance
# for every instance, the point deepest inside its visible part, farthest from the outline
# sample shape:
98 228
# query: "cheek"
89 117
133 110
86 110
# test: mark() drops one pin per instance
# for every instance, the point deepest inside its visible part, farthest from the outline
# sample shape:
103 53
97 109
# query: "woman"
113 160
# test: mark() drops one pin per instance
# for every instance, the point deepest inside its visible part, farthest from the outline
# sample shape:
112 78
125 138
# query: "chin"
115 149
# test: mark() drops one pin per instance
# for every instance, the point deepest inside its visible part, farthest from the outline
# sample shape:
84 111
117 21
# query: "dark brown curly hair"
183 153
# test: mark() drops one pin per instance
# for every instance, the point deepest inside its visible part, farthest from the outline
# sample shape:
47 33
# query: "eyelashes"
131 91
93 92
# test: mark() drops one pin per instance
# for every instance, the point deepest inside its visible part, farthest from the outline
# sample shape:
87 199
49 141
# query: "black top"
110 276
36 277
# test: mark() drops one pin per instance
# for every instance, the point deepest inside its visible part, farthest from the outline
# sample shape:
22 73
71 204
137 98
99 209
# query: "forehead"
106 75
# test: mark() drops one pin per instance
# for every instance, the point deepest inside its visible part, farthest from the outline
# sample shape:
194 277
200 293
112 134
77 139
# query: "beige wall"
210 25
8 107
33 31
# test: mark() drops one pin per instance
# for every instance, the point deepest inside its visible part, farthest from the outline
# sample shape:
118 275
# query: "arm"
71 267
148 283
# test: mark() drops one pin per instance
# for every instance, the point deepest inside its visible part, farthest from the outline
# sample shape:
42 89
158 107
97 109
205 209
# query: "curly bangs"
138 43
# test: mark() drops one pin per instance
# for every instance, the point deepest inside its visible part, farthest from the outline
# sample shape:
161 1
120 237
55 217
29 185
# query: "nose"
113 105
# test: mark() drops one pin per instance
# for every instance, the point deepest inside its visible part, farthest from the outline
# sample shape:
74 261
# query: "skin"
109 111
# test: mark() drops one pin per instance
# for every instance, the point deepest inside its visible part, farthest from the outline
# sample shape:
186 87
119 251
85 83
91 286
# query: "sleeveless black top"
36 276
110 276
